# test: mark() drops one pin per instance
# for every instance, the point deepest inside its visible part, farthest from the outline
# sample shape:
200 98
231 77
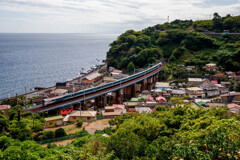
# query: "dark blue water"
29 60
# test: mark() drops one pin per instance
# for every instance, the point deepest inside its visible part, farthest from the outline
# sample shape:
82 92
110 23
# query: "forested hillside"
179 42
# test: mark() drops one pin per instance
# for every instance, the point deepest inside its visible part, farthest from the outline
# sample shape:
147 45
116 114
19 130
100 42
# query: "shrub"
50 145
38 136
38 126
5 142
60 133
79 123
48 135
79 142
160 108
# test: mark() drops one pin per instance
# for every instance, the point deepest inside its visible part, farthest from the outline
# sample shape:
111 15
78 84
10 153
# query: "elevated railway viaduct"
126 87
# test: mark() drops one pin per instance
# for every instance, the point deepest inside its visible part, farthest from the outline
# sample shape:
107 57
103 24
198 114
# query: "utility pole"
80 108
168 19
101 104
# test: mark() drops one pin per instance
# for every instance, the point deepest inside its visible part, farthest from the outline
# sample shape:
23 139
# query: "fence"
62 138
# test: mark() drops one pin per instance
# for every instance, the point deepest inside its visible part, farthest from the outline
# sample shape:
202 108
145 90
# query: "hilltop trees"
179 43
131 67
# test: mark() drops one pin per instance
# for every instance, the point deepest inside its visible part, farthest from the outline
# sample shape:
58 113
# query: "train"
48 101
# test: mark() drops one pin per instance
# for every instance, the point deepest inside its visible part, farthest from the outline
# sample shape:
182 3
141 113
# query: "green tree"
131 67
19 130
60 132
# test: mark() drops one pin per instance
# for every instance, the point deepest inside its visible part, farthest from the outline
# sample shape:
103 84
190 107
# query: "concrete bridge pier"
127 92
116 97
99 102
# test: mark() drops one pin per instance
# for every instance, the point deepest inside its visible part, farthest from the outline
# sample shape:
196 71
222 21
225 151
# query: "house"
161 99
225 84
59 92
235 78
234 108
119 106
212 104
162 85
190 68
143 110
64 85
230 74
157 92
231 97
103 70
82 115
131 110
4 108
177 93
53 121
222 89
211 67
149 104
195 92
214 82
116 75
205 80
210 90
194 81
110 69
150 99
219 76
91 78
131 104
61 84
113 111
108 79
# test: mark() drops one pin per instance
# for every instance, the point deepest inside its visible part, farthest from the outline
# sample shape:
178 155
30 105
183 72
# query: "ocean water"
30 60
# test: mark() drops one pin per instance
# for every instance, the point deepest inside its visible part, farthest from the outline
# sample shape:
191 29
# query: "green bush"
50 145
38 126
5 142
79 142
160 108
60 133
38 136
48 135
79 123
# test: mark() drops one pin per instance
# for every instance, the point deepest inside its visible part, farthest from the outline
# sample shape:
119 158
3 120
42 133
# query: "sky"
103 16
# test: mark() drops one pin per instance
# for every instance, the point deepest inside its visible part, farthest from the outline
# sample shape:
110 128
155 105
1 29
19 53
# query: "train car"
89 90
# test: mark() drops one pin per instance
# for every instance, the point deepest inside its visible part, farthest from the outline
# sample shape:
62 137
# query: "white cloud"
103 15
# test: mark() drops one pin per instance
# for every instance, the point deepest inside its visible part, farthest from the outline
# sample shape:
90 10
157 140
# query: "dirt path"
60 143
68 128
91 127
97 125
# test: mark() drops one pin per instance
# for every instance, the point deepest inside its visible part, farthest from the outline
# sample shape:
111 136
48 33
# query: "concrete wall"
53 123
75 118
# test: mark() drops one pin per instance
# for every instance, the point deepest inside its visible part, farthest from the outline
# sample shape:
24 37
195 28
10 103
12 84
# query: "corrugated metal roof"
3 107
84 113
53 118
195 79
92 76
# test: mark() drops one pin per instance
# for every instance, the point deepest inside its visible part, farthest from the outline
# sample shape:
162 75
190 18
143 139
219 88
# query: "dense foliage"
178 42
182 132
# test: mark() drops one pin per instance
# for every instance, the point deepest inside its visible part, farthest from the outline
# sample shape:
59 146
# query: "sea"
30 60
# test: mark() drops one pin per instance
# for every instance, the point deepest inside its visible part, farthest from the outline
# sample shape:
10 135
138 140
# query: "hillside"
178 42
182 132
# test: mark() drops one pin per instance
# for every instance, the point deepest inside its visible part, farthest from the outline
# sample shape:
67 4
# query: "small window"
73 117
88 118
50 123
